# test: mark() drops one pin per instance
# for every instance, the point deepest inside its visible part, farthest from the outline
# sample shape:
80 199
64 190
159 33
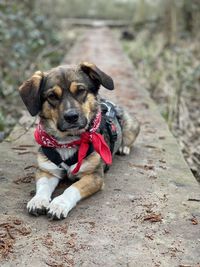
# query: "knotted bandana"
91 136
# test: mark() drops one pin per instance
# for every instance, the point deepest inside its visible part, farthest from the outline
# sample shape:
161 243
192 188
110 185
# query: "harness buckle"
112 130
64 166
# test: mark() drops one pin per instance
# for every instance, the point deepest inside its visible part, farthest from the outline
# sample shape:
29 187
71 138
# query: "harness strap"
112 131
53 155
109 113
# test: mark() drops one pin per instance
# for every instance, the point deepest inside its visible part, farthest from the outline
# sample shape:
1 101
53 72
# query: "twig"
9 233
26 146
26 130
27 152
194 199
30 166
18 148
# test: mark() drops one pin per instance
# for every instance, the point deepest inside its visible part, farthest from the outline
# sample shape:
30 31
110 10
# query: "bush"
27 44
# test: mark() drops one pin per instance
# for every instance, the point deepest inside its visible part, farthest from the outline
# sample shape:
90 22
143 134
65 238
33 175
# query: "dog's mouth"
71 128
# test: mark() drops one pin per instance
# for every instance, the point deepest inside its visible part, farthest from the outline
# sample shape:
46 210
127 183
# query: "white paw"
59 208
124 150
38 205
61 205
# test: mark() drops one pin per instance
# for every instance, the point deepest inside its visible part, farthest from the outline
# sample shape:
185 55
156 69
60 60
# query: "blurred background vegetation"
161 37
164 47
30 40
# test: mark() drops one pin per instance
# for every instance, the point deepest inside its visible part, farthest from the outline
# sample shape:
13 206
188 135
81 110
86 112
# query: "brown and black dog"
67 101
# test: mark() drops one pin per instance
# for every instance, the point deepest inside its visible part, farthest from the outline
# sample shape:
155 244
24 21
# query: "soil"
136 220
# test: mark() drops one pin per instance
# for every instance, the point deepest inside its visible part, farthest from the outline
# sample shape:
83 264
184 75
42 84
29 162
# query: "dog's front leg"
86 186
45 185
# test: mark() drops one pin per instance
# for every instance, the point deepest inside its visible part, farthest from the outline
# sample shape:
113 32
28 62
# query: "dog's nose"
71 115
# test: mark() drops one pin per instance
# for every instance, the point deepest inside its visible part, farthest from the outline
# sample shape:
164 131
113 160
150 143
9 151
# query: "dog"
78 133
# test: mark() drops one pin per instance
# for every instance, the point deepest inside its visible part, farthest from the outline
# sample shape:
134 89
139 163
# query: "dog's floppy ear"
30 93
97 75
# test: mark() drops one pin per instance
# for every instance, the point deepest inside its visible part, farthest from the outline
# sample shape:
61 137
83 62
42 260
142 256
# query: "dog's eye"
81 93
81 90
52 98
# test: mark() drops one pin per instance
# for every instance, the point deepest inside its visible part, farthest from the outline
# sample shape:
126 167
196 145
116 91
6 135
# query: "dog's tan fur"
66 88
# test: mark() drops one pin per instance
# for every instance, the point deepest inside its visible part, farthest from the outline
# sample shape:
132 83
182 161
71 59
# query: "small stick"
26 146
194 199
26 152
18 148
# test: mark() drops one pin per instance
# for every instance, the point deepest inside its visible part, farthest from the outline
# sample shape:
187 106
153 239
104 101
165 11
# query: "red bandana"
99 144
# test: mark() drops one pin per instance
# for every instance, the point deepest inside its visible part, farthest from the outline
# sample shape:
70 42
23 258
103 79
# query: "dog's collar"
91 136
46 140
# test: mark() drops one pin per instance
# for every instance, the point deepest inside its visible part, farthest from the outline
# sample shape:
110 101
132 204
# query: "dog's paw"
59 208
61 205
38 205
124 150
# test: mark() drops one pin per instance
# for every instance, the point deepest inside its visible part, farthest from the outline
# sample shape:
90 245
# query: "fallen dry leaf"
25 179
194 221
8 234
153 217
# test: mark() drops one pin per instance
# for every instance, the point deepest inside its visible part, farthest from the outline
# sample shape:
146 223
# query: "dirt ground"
147 214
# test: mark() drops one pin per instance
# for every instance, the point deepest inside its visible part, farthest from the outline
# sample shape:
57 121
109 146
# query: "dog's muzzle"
71 116
71 120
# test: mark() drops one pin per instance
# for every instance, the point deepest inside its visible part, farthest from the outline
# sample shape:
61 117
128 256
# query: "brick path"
114 227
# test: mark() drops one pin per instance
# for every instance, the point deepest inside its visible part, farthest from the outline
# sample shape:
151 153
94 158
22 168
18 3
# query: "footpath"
149 211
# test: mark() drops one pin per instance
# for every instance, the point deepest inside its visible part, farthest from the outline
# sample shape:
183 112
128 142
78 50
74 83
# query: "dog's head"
65 97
